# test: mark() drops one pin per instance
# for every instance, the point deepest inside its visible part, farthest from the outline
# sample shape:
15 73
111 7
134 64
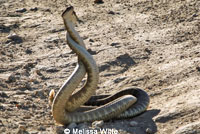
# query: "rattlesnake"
120 105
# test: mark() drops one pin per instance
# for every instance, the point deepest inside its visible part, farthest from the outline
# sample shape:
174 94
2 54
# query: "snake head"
70 15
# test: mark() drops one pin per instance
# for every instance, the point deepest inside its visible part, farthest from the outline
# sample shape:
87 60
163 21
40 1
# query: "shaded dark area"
144 121
125 61
7 29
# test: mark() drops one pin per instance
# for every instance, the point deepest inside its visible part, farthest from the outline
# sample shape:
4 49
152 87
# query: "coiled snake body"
126 103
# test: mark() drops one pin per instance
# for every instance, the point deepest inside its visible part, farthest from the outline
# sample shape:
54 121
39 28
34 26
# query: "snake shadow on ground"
144 121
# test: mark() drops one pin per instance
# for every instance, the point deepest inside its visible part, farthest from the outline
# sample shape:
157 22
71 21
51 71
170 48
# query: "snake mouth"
67 10
73 15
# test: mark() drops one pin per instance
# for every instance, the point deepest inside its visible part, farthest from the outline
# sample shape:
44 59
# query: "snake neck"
64 102
73 33
80 97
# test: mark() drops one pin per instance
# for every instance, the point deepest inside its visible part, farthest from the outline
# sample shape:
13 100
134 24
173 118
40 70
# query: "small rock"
38 72
11 78
59 129
22 10
30 65
147 40
33 9
98 1
1 123
1 107
72 125
13 102
28 51
41 128
3 53
91 52
198 69
52 70
91 40
13 37
195 15
47 10
52 40
3 95
114 44
4 28
149 131
111 12
133 123
119 79
148 50
96 124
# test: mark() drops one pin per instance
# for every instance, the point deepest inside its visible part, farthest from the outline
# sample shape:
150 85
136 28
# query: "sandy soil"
151 45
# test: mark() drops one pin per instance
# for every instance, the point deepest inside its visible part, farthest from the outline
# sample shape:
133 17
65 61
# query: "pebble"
98 1
11 78
52 40
111 12
38 72
1 123
33 9
97 124
2 108
41 128
72 125
30 65
198 69
28 51
149 131
91 40
59 129
52 70
22 10
3 95
133 123
91 51
119 79
115 44
13 37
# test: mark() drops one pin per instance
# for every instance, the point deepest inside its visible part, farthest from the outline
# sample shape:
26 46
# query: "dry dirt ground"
154 45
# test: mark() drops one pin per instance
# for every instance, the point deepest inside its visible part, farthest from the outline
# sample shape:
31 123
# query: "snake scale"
69 106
